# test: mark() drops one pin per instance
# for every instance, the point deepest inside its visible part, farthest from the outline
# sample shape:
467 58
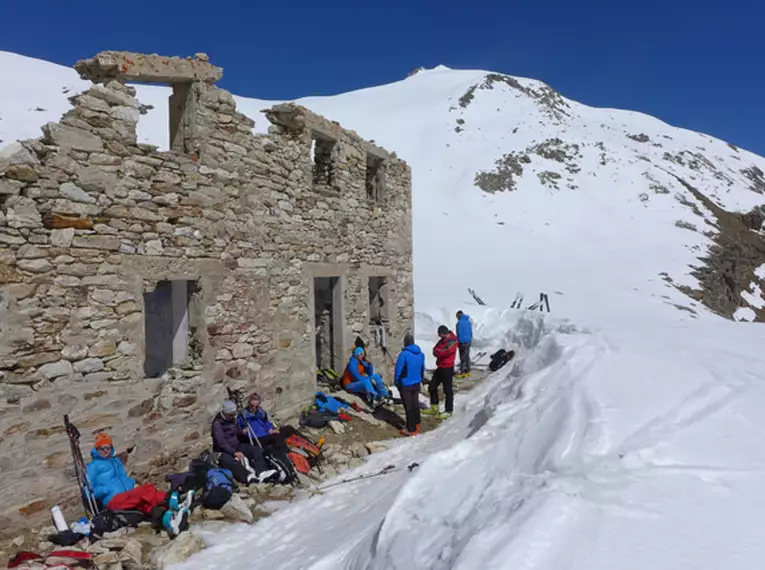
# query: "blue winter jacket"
410 366
258 421
108 477
353 368
464 329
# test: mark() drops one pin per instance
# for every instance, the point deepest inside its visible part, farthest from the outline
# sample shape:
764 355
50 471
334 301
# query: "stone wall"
91 222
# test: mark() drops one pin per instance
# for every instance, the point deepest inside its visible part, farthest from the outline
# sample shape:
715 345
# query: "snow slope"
568 460
622 438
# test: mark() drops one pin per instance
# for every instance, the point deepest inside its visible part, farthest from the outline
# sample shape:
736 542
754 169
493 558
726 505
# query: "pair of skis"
89 501
541 305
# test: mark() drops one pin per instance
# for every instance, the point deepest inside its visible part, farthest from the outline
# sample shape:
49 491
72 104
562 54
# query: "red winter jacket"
445 351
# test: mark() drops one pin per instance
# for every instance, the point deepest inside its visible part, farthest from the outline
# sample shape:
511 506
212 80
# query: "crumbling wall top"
145 68
297 118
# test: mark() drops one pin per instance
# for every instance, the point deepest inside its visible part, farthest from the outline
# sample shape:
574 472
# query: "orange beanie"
103 439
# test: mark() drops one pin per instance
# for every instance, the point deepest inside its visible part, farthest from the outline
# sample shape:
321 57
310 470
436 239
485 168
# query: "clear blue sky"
696 64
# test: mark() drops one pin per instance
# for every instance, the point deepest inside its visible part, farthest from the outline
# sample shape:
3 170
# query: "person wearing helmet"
360 378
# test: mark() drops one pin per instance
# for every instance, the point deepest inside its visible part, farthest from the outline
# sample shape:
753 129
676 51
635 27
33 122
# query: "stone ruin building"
136 285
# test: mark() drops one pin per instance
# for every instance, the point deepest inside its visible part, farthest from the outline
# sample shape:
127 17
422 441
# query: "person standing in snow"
235 455
115 491
410 371
359 378
464 337
445 352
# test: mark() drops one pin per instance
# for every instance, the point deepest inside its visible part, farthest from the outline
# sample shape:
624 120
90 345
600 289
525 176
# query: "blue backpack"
328 404
218 488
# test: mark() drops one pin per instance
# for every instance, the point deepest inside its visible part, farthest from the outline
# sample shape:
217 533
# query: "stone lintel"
145 68
298 118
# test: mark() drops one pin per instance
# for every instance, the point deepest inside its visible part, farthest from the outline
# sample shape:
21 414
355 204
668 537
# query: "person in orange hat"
115 491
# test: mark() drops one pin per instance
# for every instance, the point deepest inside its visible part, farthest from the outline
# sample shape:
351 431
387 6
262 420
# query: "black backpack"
316 419
283 465
500 358
109 521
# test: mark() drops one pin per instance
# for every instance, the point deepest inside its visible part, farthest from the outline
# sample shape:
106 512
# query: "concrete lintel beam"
145 68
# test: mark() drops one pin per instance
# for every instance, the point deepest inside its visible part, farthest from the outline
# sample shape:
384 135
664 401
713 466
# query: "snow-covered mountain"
623 436
532 192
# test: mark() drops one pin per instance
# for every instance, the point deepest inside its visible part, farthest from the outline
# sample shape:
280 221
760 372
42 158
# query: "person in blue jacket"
360 377
254 421
464 338
409 373
115 491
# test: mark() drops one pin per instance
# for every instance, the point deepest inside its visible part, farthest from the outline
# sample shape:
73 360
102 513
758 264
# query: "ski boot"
444 416
433 410
176 518
406 433
174 501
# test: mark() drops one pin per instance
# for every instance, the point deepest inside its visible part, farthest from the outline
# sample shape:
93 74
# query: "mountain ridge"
517 164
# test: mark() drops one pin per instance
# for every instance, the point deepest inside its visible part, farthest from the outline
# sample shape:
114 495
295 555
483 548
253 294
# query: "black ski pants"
410 398
239 471
443 376
277 440
464 357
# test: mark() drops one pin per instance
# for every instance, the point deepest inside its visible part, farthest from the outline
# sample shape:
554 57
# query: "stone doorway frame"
339 271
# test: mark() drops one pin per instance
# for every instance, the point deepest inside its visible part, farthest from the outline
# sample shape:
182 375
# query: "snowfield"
625 435
629 451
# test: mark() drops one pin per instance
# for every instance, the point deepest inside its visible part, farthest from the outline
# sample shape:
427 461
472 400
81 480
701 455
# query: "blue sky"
696 64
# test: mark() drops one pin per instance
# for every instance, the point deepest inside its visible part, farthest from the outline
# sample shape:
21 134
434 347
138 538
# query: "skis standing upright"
476 297
89 501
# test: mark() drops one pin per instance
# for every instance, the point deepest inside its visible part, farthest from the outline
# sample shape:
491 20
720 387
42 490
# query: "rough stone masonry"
136 285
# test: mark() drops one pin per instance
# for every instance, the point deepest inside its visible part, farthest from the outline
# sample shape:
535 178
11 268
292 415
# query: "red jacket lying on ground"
445 351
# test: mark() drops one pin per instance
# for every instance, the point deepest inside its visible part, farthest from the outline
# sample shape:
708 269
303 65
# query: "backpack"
500 358
301 446
330 378
300 462
328 404
109 521
284 467
218 488
315 418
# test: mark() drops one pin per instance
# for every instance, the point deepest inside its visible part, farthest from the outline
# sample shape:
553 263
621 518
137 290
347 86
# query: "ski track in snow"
535 471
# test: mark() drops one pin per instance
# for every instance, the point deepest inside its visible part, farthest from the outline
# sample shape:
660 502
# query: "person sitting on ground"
410 371
115 491
445 352
235 455
254 421
465 338
359 378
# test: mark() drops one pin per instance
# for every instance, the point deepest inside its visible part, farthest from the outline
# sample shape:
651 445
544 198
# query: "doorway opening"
328 304
168 330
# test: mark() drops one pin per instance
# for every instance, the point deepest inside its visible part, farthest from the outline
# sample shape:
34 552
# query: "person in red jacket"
445 352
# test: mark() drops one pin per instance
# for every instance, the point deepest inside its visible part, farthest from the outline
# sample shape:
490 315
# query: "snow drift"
567 459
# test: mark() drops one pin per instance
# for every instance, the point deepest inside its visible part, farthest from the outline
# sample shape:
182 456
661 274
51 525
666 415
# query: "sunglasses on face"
105 448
